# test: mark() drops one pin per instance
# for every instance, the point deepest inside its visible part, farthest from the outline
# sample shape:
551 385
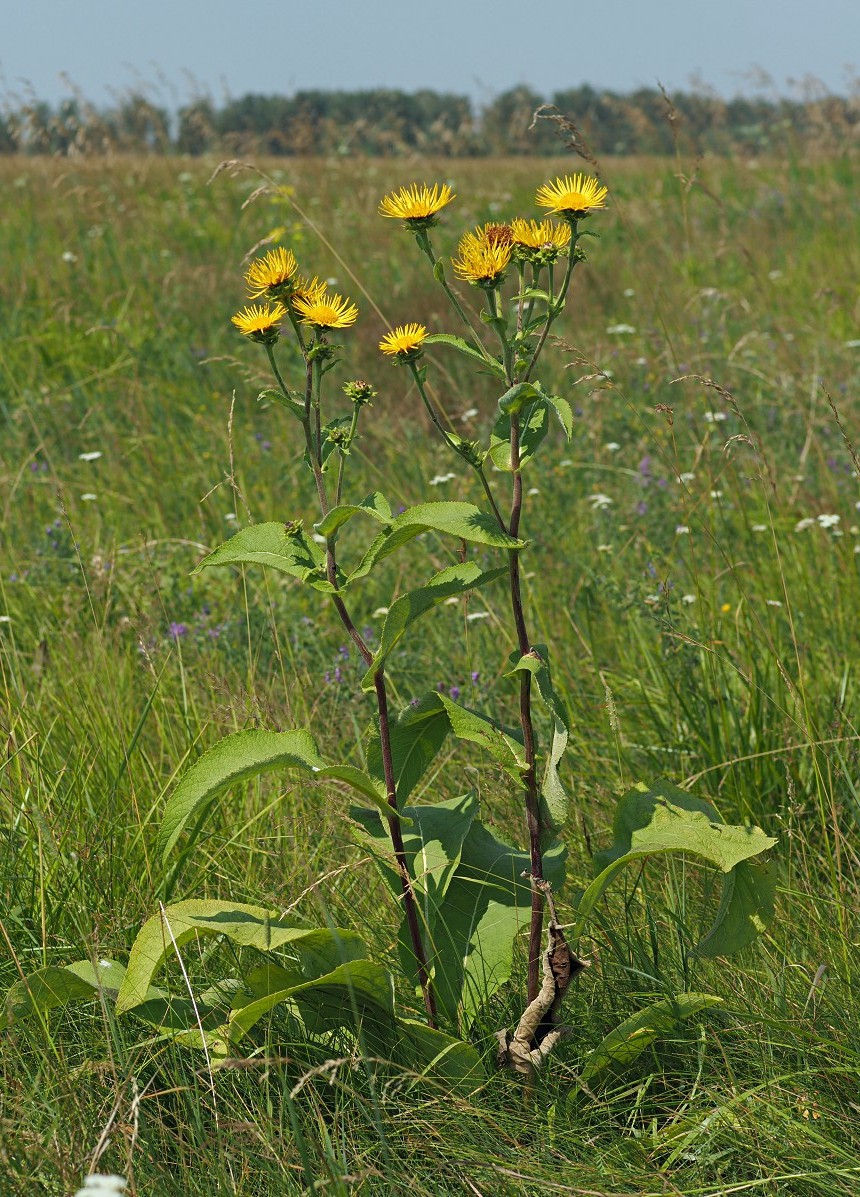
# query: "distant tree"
197 131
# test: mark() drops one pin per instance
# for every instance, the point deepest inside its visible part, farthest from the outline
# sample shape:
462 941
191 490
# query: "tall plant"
464 893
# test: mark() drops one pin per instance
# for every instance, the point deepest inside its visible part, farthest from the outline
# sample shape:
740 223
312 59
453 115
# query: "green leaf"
491 363
515 399
271 545
236 758
456 579
173 926
416 737
462 520
375 505
666 819
504 745
561 407
291 401
553 794
488 902
358 994
369 787
631 1037
747 905
51 987
433 844
533 428
441 1057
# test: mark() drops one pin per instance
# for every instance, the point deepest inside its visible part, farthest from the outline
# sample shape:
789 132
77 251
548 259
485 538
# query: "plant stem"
556 306
422 237
500 325
410 904
533 818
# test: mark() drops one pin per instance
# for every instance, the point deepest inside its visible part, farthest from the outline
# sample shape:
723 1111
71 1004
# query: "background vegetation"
383 122
703 613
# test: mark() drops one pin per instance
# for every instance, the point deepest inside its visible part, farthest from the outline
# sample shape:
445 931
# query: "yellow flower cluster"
484 255
274 277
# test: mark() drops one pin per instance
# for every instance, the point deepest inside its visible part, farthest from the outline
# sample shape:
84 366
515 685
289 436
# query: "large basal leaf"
631 1037
663 818
271 545
248 754
416 735
487 904
375 506
432 843
554 800
456 579
166 932
441 1057
463 520
50 987
237 757
534 425
747 905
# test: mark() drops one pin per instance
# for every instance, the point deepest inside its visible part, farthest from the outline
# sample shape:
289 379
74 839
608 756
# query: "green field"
695 570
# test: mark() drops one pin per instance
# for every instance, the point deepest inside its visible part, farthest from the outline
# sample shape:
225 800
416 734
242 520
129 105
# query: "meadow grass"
686 565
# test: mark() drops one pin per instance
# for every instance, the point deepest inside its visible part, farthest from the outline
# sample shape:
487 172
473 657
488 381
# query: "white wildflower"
440 478
102 1185
855 344
629 292
89 497
612 446
379 613
231 517
5 618
473 615
599 501
803 524
687 477
716 494
469 413
773 602
533 490
715 417
93 456
828 521
604 548
69 257
759 528
620 330
682 530
688 598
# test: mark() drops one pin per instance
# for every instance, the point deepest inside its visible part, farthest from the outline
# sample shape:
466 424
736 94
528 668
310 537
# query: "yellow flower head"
418 206
405 342
261 323
483 256
305 290
271 275
540 234
325 311
573 196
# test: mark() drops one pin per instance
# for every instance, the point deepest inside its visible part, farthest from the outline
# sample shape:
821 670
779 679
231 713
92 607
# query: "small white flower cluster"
598 502
715 417
440 478
620 330
824 521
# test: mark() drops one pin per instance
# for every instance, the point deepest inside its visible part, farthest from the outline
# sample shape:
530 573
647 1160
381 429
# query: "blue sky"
221 47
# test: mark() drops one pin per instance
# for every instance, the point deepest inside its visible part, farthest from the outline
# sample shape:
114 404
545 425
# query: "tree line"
384 122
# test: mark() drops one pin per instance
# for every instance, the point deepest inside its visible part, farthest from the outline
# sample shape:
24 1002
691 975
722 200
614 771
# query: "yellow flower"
306 290
324 310
418 206
261 323
271 274
573 196
483 257
540 234
405 342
